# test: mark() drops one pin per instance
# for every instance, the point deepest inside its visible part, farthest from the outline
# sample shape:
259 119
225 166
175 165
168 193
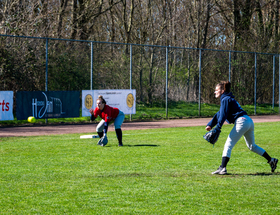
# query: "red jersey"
108 113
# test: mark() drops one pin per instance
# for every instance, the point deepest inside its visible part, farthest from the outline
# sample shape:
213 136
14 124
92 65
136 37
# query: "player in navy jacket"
231 111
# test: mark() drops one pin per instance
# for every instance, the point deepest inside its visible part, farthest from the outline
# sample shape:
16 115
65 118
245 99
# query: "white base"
88 136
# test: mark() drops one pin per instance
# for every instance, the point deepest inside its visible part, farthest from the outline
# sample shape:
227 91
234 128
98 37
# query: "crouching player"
108 115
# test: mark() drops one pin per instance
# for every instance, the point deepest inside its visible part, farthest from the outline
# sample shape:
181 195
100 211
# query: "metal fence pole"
130 116
273 85
130 67
255 87
91 64
47 46
46 87
199 85
166 83
229 66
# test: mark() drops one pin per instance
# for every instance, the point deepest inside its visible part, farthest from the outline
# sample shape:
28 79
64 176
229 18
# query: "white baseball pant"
243 125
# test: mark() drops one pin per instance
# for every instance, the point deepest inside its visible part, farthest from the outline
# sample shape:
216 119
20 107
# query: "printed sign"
48 104
6 105
125 100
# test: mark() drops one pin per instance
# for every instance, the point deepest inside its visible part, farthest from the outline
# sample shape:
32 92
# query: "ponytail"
101 99
225 85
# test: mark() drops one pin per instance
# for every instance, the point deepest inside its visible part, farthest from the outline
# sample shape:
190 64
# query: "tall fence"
160 74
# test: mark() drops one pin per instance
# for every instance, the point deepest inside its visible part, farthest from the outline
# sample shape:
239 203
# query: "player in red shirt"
108 115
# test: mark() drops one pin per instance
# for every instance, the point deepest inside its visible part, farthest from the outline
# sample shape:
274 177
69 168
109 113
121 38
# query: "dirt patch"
90 128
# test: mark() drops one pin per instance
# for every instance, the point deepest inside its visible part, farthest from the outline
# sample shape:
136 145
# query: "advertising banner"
6 105
125 100
47 104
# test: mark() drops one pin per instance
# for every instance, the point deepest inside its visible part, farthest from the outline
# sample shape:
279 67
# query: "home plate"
88 136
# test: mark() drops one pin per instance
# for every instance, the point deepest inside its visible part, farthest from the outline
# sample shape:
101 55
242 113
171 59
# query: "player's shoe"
273 164
220 171
120 144
103 144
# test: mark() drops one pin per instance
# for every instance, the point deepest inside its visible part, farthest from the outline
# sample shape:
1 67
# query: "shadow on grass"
142 145
254 174
149 145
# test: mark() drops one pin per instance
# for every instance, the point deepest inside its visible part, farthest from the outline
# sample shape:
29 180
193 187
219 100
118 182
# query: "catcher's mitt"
103 141
212 136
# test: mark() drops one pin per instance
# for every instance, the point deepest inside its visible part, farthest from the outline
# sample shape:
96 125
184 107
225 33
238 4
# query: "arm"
92 117
224 110
213 121
107 112
105 128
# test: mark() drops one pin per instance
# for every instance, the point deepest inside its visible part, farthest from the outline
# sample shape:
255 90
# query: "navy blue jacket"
229 111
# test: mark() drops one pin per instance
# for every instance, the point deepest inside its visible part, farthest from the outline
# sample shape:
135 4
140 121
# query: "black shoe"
273 164
120 144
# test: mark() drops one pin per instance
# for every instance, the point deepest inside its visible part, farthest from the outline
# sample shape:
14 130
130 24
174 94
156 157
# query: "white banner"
124 100
6 105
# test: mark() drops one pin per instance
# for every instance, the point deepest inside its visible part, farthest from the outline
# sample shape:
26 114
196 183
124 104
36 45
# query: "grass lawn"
158 171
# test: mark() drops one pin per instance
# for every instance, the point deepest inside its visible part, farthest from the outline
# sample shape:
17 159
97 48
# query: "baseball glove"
103 141
213 135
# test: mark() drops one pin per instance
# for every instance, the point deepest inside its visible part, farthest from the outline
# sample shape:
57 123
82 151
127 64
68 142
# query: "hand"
208 128
103 140
213 135
91 111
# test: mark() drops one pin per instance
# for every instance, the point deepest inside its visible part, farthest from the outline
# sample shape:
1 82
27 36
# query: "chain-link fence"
161 75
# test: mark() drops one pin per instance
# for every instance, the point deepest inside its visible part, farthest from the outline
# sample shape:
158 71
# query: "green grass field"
158 171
